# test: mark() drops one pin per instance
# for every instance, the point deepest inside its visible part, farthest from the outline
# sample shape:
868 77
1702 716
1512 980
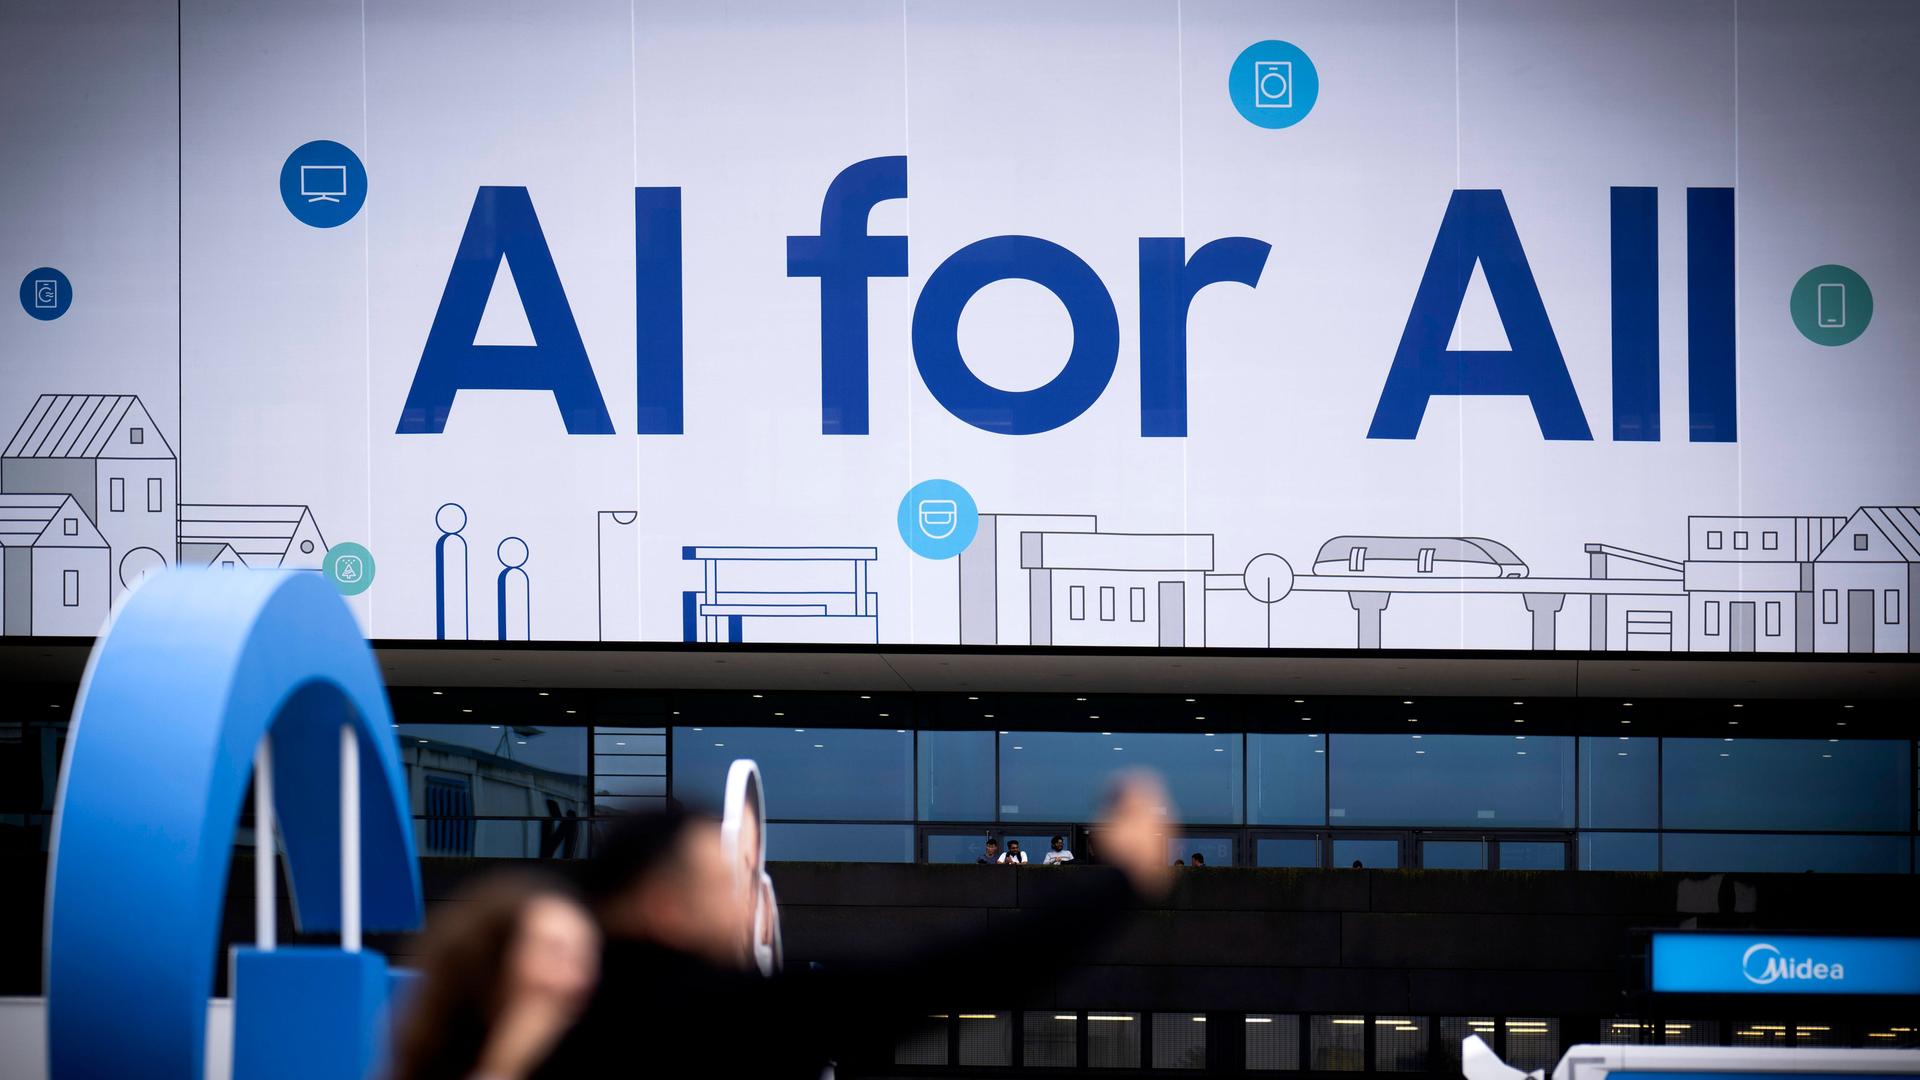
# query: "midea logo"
1763 964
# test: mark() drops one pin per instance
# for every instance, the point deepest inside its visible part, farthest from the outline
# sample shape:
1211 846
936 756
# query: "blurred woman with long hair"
505 970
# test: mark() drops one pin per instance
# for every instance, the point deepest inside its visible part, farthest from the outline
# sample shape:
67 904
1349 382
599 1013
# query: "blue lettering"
1636 314
1168 284
936 344
502 225
843 257
1477 227
1712 415
658 335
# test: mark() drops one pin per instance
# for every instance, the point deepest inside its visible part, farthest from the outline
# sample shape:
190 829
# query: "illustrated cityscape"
87 508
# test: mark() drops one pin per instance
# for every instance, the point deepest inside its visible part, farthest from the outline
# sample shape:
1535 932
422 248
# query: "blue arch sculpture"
193 673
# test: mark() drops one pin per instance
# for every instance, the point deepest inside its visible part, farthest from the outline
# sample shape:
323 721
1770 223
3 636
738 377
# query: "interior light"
436 693
1406 703
1120 1018
759 695
543 693
1222 750
819 746
866 697
986 716
466 710
1299 701
974 697
779 714
1250 1019
570 712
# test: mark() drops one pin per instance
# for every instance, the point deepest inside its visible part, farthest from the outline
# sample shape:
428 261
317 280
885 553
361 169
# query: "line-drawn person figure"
450 574
513 592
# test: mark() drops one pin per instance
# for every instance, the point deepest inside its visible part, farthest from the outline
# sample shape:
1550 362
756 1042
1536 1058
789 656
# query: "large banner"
1417 324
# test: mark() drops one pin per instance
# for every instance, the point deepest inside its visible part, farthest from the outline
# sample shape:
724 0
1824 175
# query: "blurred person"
1181 863
677 996
1059 855
1014 856
506 968
1199 859
993 853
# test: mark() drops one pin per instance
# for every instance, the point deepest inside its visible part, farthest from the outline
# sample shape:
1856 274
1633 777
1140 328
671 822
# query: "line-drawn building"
994 587
54 567
1643 622
1749 581
106 452
1055 579
1865 578
261 537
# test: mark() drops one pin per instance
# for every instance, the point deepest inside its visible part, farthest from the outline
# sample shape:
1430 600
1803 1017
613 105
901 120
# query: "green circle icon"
350 567
1831 305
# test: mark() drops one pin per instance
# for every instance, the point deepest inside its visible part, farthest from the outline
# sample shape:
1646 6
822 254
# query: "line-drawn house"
1749 581
1117 588
995 606
106 452
1865 578
1635 623
262 537
54 567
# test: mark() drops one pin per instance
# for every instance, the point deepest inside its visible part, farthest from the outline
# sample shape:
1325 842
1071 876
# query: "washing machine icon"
938 518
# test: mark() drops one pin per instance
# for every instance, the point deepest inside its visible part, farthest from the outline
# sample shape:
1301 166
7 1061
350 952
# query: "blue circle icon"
350 567
46 293
938 519
1273 84
323 184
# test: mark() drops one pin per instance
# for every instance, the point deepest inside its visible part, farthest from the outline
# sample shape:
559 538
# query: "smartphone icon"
1830 306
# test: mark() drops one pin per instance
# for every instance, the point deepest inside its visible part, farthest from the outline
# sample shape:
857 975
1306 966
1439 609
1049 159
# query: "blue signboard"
1784 964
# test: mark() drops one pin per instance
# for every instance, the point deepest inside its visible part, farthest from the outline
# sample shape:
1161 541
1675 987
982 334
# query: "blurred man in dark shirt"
677 996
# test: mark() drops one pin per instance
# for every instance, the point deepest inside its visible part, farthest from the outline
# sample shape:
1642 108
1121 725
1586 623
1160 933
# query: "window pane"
1050 1040
1179 1040
810 773
1533 855
1286 851
986 1038
1214 850
1063 775
1366 854
1286 780
924 1044
1113 1040
496 838
956 776
1533 1044
1273 1042
1690 1033
1400 1044
1454 1031
1786 784
627 743
1443 780
1338 1044
1778 853
956 847
839 843
1619 783
1619 851
507 770
1453 854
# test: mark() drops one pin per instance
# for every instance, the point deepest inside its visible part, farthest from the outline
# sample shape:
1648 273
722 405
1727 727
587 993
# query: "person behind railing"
679 998
1014 856
507 965
992 854
1059 855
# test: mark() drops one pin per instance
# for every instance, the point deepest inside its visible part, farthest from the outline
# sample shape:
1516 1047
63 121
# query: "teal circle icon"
1831 305
46 293
938 519
1273 84
350 567
323 184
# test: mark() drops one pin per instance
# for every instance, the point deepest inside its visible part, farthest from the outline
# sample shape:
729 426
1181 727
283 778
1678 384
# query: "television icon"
323 183
939 517
1830 306
1273 84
